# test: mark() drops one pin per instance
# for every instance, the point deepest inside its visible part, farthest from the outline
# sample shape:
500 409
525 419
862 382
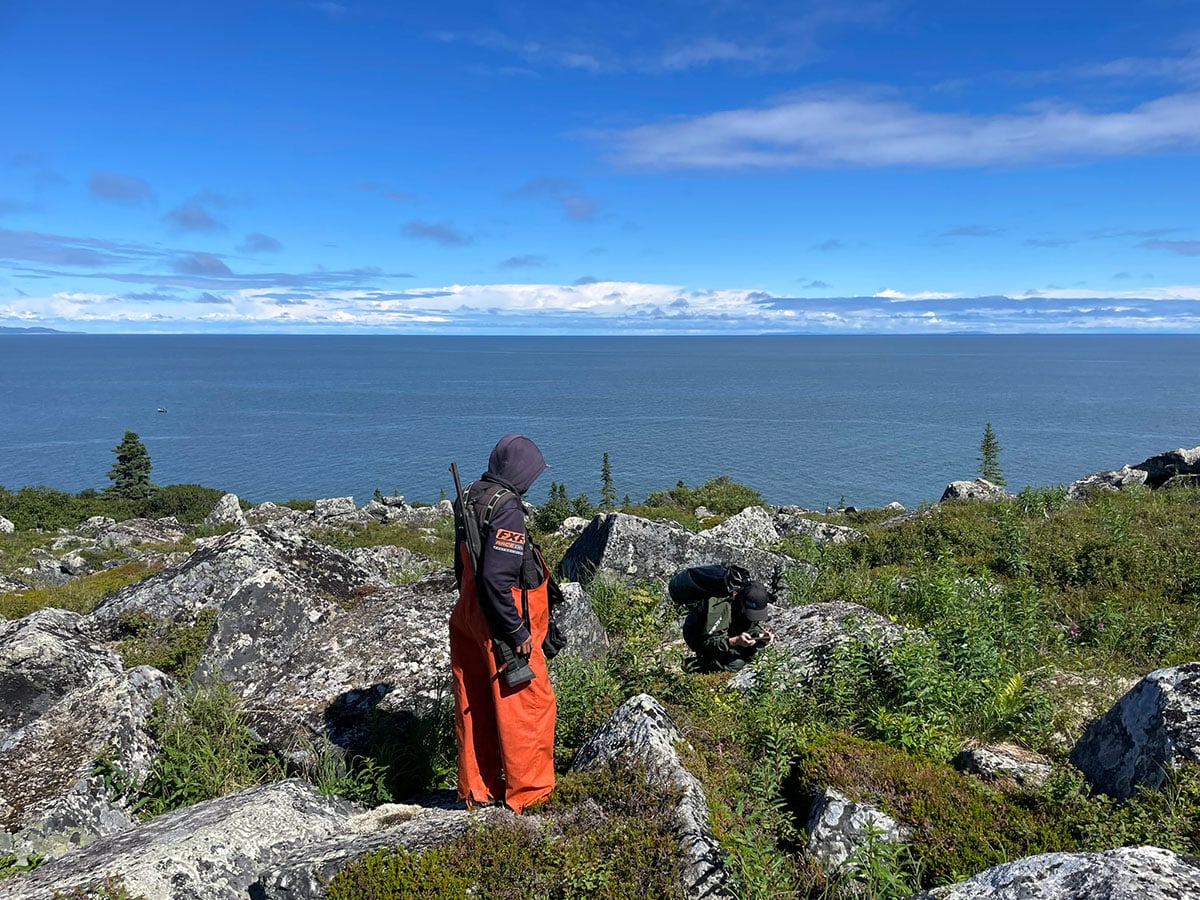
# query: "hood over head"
517 461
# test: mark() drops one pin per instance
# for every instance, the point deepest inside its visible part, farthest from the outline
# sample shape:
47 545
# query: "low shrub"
80 595
173 647
721 495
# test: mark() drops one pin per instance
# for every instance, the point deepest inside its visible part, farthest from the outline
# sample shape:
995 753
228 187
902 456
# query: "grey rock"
840 830
805 636
334 506
1004 763
1127 873
1181 481
586 636
141 531
74 564
304 873
796 524
752 527
94 526
1154 726
382 661
228 511
895 506
51 797
1160 469
383 512
6 527
911 516
394 563
641 732
43 657
9 585
1099 482
980 489
48 573
211 851
572 527
631 549
272 514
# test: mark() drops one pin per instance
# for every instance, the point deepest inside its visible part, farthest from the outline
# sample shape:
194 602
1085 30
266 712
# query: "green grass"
437 542
80 595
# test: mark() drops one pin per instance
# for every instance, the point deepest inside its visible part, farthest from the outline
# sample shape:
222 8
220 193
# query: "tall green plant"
989 456
130 474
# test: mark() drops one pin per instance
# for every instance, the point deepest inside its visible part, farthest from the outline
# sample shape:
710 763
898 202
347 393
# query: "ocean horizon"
811 420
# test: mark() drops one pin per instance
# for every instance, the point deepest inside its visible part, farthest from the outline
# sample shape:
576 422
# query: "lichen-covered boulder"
631 549
1154 726
140 531
1099 482
980 489
211 851
228 511
1127 873
331 507
1004 762
1161 468
43 657
54 795
378 662
792 521
395 564
9 585
269 513
641 732
585 634
752 527
6 527
805 636
841 830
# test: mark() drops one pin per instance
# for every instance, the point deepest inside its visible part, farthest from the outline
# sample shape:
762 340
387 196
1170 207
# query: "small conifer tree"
608 492
130 474
989 456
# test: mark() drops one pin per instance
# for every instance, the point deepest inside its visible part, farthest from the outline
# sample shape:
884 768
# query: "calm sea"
806 420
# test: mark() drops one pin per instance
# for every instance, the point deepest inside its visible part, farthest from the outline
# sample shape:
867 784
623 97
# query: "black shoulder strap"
497 498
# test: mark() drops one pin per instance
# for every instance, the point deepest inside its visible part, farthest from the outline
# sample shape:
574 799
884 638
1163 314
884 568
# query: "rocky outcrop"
841 830
640 732
793 521
132 532
395 564
980 489
1099 482
304 873
44 657
273 514
805 636
585 634
572 527
1004 763
379 662
752 527
1154 726
630 548
1161 468
228 511
211 851
1128 873
6 527
54 796
9 585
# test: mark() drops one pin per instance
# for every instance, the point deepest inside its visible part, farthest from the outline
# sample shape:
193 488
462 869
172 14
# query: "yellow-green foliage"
604 836
80 595
411 537
173 647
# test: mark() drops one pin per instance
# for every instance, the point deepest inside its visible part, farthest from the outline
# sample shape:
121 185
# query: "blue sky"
719 167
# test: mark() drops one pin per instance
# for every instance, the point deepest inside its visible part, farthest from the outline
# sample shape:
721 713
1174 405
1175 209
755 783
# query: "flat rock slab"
211 851
1129 873
1151 728
840 830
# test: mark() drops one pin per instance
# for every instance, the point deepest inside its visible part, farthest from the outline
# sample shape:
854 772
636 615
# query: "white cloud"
862 131
889 294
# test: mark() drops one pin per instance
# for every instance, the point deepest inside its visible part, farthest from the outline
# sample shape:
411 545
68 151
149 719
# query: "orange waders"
505 735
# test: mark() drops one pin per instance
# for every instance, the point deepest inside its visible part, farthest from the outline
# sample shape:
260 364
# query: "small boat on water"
162 409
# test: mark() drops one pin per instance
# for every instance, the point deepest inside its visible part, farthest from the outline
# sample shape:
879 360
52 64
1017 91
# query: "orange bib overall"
505 735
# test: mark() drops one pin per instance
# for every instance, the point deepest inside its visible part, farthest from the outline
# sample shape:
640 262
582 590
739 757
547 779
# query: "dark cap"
755 599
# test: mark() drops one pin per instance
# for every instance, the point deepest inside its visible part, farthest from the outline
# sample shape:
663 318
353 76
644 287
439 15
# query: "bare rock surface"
387 655
980 489
1161 468
211 851
1154 726
140 531
585 634
630 548
1099 482
806 635
228 511
792 523
269 513
641 732
1003 762
43 657
394 563
52 799
1128 873
752 527
9 585
6 527
840 830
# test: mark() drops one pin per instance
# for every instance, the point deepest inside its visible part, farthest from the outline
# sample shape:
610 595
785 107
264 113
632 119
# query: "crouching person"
725 623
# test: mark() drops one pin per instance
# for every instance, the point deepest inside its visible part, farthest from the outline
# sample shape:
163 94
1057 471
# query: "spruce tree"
608 492
989 456
130 474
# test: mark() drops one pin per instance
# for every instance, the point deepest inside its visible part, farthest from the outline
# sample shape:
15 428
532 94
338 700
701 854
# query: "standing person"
503 712
726 611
